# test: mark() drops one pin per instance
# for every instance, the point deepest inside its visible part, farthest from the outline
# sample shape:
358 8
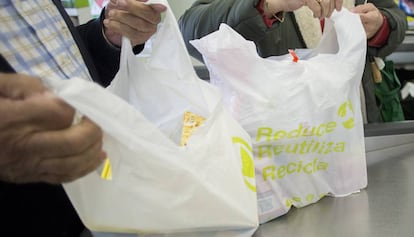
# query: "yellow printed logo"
246 154
346 111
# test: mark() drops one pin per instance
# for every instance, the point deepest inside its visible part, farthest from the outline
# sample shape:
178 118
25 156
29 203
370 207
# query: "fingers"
134 19
338 4
65 142
29 106
364 8
71 153
70 168
37 139
316 8
39 112
323 8
331 6
18 86
371 18
56 156
138 9
136 29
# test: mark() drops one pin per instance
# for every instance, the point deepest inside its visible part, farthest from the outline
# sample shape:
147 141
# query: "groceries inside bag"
178 163
304 116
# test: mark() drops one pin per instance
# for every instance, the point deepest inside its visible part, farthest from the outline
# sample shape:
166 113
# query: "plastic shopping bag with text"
178 161
304 117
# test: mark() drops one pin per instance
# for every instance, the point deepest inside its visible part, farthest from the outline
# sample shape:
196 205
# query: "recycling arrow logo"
346 111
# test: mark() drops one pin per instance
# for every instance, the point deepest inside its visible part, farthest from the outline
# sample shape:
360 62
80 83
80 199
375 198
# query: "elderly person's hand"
131 18
38 142
371 18
324 8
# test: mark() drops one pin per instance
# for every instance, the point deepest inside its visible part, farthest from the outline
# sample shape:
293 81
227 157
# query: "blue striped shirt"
35 40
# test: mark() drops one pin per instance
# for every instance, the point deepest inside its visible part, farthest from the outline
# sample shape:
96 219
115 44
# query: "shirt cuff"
268 21
381 37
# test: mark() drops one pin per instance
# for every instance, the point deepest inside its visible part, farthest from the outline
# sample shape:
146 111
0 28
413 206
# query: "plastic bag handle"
349 32
168 49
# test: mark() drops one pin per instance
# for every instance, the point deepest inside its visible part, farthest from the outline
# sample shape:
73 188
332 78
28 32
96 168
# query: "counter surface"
384 209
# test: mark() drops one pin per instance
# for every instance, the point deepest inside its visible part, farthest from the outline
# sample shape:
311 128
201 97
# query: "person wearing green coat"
278 25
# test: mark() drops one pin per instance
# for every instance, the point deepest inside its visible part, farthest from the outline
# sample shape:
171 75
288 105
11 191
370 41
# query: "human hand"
324 8
371 18
131 18
38 142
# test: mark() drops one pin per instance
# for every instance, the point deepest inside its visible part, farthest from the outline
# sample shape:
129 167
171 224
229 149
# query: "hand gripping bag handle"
166 42
166 64
345 29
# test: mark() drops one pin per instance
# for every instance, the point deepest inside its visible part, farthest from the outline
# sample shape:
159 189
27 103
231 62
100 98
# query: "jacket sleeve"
205 16
104 56
398 25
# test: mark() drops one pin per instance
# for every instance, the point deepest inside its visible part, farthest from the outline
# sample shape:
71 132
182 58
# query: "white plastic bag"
158 185
304 117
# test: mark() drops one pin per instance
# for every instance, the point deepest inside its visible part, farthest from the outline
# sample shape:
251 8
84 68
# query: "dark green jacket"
205 16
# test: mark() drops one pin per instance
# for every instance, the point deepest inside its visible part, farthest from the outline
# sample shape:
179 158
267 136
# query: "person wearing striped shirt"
40 149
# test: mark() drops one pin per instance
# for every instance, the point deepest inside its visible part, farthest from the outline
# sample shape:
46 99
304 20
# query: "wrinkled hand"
38 143
371 18
324 8
131 18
